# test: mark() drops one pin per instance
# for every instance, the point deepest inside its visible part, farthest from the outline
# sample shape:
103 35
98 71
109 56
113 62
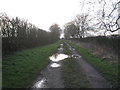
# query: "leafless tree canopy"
105 19
110 21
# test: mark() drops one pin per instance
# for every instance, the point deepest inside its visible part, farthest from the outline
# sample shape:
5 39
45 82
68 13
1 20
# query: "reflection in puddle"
72 49
61 44
55 65
60 49
58 57
40 84
76 56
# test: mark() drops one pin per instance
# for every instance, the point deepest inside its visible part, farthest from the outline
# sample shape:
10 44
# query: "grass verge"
21 70
73 75
108 70
66 49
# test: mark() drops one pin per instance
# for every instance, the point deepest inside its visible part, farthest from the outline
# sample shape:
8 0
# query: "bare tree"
82 24
18 34
55 31
105 14
5 24
70 30
110 21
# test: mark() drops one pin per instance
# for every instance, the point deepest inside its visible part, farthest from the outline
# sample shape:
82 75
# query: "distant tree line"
17 34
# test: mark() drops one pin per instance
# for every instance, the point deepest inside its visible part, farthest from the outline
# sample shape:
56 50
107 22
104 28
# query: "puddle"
61 44
60 49
54 65
58 57
76 56
72 49
40 84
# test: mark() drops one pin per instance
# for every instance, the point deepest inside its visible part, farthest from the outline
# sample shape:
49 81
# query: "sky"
42 13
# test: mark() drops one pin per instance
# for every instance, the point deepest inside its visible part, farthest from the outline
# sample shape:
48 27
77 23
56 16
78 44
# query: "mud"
51 76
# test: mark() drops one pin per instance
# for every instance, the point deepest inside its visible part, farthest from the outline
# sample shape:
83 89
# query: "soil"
53 76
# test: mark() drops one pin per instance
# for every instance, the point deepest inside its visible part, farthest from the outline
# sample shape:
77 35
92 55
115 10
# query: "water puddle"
60 49
57 57
61 44
76 56
40 84
54 65
72 49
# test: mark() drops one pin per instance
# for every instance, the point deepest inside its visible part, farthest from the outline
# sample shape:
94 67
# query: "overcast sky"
42 13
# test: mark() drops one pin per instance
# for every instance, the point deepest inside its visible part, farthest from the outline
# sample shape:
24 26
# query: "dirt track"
53 76
93 76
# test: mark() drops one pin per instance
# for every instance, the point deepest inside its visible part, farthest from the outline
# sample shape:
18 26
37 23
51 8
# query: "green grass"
108 70
66 49
21 69
73 75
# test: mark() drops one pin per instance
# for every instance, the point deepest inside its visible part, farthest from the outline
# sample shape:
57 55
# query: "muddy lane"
51 76
94 77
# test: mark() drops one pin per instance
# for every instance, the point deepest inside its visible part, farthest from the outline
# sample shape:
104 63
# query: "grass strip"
66 49
73 75
21 69
108 70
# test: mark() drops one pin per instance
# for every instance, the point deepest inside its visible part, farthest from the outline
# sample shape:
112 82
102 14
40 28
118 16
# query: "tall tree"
82 23
55 31
18 34
109 20
70 31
